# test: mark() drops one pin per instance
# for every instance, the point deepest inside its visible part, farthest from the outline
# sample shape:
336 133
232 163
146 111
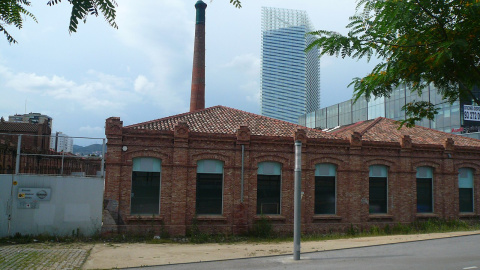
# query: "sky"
142 70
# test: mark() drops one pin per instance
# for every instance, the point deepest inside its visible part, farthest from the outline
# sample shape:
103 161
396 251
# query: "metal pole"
14 178
297 201
17 163
243 164
103 159
63 156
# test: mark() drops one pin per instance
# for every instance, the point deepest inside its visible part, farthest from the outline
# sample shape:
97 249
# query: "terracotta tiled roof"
225 120
6 126
384 129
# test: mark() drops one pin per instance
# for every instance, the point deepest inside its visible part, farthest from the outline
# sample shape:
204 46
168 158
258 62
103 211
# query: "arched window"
325 189
209 187
424 190
269 185
465 190
145 196
378 189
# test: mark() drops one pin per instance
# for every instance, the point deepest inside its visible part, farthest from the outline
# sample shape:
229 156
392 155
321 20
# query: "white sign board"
34 194
471 113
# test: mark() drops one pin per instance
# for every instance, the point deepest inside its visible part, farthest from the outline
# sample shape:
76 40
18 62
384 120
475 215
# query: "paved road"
458 253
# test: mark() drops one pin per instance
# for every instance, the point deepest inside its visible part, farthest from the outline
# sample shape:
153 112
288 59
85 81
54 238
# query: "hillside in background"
94 149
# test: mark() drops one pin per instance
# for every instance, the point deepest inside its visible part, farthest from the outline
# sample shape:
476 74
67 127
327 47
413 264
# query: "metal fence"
33 154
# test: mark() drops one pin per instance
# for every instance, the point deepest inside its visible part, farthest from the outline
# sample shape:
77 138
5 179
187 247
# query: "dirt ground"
107 256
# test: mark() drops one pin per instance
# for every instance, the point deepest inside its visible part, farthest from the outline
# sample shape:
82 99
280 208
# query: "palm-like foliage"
419 42
11 13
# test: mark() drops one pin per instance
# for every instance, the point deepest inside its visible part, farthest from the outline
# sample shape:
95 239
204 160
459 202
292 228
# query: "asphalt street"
457 253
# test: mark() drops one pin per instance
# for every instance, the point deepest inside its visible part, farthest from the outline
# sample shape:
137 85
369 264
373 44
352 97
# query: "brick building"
37 158
226 168
222 169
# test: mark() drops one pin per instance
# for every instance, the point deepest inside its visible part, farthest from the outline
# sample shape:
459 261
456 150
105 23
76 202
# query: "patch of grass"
262 231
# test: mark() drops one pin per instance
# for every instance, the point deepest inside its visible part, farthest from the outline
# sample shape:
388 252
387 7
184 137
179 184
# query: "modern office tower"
462 117
290 78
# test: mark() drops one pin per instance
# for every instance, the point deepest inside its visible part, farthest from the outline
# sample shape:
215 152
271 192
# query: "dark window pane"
209 193
424 195
325 195
466 200
268 194
378 195
145 193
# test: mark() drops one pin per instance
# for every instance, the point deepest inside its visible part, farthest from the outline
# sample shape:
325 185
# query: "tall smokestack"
197 98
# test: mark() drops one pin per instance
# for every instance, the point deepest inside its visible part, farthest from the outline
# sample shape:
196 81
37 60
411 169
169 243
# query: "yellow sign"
21 195
15 183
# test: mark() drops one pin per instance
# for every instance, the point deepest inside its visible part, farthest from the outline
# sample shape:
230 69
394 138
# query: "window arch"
209 194
145 192
424 189
269 186
325 189
465 190
378 189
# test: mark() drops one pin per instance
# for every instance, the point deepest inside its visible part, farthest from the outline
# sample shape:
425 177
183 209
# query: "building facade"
61 143
450 117
290 78
221 170
32 118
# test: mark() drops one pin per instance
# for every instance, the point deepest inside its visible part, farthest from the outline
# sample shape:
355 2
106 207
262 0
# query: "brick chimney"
197 98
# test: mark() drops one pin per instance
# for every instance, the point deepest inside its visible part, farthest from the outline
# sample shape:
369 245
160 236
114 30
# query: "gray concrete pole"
103 159
19 149
297 201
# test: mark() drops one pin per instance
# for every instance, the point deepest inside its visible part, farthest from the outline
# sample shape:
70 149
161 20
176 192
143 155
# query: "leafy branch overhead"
81 9
418 43
11 13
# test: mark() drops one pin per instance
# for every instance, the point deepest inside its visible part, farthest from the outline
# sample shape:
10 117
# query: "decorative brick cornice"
356 139
243 135
406 142
113 126
449 144
181 132
301 135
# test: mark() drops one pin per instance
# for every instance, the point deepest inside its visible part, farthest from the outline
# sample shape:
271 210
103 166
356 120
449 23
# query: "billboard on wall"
471 119
471 113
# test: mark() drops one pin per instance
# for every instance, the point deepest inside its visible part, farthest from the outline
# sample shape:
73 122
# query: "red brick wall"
180 150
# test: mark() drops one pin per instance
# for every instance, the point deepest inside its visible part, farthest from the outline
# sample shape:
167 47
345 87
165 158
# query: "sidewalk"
107 256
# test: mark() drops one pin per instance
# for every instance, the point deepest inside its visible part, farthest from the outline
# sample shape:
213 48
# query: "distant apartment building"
61 143
32 118
290 78
451 118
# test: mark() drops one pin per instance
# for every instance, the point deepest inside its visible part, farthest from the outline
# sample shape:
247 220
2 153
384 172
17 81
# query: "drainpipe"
242 177
297 201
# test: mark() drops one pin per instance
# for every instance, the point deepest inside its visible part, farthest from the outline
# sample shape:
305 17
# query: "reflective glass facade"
449 118
290 78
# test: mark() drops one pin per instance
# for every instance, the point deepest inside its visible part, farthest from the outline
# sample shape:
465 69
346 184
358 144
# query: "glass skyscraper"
450 117
290 78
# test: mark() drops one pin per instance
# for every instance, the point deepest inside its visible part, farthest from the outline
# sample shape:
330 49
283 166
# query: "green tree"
418 42
12 12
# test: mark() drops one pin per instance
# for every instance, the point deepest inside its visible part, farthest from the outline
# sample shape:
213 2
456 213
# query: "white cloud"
246 68
142 85
246 63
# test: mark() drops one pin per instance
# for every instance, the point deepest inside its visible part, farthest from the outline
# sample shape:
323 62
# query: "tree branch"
440 23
